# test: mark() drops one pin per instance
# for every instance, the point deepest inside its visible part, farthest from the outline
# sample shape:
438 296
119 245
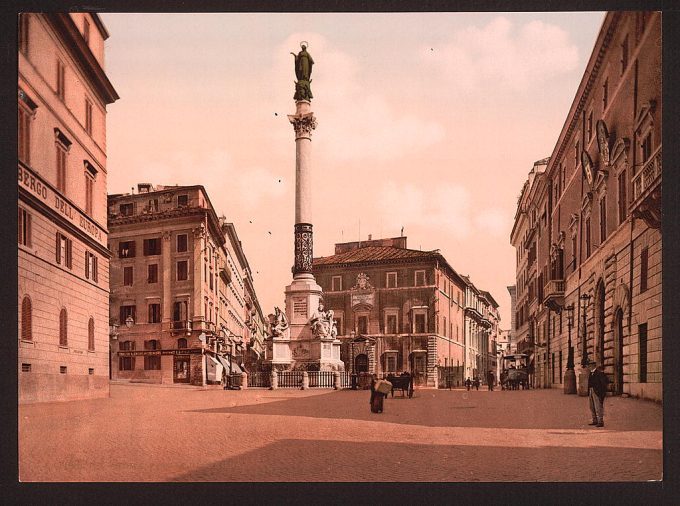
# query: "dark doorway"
618 352
181 370
361 363
419 368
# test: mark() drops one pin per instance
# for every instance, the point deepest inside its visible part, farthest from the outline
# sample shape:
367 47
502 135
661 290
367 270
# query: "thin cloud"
358 123
503 55
445 208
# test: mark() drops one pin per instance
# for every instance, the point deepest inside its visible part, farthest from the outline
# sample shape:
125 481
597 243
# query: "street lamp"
585 299
583 373
570 375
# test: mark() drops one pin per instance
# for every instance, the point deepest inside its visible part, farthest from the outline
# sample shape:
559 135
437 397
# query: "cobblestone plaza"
164 433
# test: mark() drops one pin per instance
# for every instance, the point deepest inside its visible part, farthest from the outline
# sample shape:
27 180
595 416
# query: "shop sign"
140 353
33 183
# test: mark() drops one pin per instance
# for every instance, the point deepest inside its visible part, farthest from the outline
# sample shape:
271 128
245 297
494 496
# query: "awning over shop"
233 368
224 362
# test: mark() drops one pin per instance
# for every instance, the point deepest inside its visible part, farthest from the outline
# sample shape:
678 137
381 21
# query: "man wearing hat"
597 389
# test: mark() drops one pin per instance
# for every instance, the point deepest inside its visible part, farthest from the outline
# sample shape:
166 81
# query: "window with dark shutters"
26 319
152 246
126 249
63 328
24 228
63 250
90 334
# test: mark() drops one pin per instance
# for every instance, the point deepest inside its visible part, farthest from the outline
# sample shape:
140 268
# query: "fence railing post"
244 380
305 380
275 380
336 380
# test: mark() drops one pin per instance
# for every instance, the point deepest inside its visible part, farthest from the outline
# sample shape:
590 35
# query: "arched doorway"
599 323
618 352
361 363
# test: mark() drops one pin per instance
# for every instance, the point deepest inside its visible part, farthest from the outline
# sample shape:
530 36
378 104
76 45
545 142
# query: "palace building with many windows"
587 230
63 264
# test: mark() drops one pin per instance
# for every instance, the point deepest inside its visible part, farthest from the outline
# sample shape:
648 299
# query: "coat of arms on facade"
362 282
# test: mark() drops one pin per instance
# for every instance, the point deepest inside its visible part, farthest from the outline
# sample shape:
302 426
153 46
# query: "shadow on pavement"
442 408
324 460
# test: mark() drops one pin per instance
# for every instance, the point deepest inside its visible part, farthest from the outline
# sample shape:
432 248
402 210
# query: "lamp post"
585 299
583 373
570 375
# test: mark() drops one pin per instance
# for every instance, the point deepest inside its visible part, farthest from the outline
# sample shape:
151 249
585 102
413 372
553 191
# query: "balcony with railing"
553 294
647 191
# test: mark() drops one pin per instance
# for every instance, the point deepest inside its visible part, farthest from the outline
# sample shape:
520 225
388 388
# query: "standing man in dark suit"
597 389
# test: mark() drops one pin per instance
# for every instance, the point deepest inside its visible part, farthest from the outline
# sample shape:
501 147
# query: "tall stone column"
303 122
303 294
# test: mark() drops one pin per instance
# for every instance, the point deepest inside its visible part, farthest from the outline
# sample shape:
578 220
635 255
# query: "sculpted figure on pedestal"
278 322
303 72
322 322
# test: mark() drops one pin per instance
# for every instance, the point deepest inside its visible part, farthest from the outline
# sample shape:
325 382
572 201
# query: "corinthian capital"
303 124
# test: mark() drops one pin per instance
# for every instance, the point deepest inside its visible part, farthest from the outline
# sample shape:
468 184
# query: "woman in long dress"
377 399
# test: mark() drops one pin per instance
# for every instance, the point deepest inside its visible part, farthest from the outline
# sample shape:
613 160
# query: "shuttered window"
24 228
90 334
26 319
63 328
64 245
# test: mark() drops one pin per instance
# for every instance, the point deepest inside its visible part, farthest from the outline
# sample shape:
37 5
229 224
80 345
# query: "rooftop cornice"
86 61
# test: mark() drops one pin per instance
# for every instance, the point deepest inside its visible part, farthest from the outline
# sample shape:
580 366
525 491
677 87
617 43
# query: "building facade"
587 229
178 288
63 259
396 309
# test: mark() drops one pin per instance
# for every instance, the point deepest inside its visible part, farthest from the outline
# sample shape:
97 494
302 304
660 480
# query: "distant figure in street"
475 382
597 389
468 383
489 380
377 398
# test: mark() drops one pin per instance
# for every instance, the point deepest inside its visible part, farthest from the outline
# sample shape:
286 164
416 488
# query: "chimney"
370 236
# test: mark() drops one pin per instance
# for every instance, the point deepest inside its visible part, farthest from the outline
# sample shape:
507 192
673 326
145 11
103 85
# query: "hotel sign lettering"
34 184
139 353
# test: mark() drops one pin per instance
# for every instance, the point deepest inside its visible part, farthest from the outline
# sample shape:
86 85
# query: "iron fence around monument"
321 379
345 379
290 379
259 379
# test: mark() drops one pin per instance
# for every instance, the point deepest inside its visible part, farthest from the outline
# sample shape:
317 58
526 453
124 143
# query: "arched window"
90 334
26 319
63 328
181 343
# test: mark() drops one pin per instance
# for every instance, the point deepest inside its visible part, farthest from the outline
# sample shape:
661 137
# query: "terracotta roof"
374 254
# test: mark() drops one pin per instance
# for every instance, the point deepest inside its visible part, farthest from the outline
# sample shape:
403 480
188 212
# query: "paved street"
156 433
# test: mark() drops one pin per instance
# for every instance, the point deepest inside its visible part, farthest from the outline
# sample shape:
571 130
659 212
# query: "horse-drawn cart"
403 383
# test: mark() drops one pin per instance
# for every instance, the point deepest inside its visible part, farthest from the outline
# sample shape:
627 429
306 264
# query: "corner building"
588 225
397 309
180 308
63 259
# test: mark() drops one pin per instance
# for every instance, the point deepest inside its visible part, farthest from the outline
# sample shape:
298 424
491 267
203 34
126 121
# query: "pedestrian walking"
490 380
468 383
597 389
377 398
475 382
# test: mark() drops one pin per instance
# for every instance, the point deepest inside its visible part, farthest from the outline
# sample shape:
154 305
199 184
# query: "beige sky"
430 121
